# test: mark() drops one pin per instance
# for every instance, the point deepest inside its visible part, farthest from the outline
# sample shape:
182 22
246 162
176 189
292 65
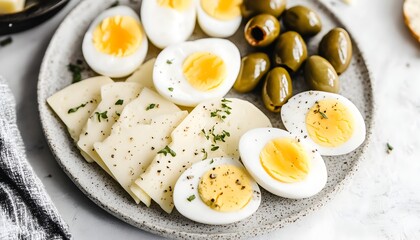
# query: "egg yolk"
222 9
119 36
285 160
204 71
179 5
225 188
329 123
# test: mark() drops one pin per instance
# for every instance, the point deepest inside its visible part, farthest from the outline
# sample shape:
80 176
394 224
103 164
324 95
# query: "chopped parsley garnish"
171 89
119 102
220 137
215 137
118 114
73 110
323 115
214 147
190 198
205 153
205 134
215 113
389 148
212 161
6 41
151 106
76 71
224 111
169 61
102 115
167 150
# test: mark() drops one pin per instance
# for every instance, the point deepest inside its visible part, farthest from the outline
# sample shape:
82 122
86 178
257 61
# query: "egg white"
215 27
109 65
293 115
165 26
196 209
250 147
168 73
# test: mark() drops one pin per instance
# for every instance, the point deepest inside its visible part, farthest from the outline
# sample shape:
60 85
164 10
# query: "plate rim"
255 231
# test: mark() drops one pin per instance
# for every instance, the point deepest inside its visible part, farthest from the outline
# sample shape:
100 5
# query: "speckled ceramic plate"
274 212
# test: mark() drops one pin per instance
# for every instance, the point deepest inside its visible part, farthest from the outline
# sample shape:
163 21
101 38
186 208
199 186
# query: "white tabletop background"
382 201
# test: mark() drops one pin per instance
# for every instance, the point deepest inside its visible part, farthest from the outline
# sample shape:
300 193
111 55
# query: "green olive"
321 75
262 30
277 89
272 7
302 20
253 68
290 51
337 49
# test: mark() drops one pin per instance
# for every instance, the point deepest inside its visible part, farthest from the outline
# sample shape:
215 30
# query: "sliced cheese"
75 103
144 75
140 132
212 129
115 97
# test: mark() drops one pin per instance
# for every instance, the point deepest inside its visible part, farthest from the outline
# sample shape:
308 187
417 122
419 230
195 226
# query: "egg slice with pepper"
329 121
216 191
283 163
168 21
219 18
115 44
193 72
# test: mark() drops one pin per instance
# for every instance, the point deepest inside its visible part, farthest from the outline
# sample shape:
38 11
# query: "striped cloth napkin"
26 211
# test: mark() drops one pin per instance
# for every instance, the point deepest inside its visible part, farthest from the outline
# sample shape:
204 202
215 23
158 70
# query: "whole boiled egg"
168 22
219 18
282 163
216 191
193 72
329 121
115 44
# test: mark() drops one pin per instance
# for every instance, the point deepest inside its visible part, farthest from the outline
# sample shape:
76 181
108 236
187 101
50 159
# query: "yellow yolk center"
179 5
204 70
225 188
329 123
222 9
285 160
118 35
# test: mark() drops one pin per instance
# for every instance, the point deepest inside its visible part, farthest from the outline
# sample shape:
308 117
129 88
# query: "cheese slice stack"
212 129
115 97
75 103
142 130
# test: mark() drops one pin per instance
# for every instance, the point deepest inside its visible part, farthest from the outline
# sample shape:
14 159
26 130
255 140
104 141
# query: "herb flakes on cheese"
137 137
201 135
75 103
98 126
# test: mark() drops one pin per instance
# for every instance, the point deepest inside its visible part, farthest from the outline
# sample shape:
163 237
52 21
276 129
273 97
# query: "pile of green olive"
283 52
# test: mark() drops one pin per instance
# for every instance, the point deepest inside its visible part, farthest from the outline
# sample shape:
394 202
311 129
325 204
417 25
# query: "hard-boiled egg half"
115 44
219 18
329 121
168 21
216 191
283 163
193 72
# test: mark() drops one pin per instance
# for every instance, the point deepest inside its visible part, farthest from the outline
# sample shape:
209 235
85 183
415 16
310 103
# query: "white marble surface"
383 200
